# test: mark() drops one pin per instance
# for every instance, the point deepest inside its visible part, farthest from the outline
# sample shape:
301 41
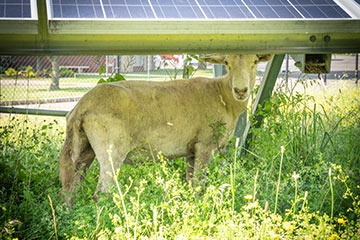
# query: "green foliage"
65 72
11 72
306 134
113 78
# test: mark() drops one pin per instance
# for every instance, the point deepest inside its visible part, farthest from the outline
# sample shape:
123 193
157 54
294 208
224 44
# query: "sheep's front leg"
190 164
202 157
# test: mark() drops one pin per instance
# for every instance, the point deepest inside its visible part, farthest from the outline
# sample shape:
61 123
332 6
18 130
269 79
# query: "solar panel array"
197 9
180 9
15 9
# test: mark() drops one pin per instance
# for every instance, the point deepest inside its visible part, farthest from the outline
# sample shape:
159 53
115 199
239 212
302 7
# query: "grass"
286 165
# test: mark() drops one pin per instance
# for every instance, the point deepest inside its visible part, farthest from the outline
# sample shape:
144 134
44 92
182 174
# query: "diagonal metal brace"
265 91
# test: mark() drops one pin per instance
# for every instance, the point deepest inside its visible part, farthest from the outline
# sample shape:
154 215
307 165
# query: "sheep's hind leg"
110 161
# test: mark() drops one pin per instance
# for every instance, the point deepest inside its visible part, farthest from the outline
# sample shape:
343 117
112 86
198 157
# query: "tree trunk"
55 73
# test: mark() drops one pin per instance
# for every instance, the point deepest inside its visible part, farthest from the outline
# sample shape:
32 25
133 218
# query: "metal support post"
31 111
357 68
264 94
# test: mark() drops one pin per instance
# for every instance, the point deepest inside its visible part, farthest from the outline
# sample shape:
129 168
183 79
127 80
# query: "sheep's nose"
240 92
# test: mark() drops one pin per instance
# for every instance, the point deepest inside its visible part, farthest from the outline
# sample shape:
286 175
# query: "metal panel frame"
117 37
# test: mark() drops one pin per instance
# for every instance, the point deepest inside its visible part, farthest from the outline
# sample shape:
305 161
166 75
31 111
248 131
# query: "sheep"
172 117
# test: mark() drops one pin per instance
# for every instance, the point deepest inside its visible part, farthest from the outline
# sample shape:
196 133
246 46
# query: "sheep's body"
176 118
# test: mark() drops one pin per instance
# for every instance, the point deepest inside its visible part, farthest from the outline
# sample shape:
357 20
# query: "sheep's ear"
216 59
265 57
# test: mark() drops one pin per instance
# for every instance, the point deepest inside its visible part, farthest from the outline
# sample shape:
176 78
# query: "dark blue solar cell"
13 11
158 12
198 12
314 12
133 2
342 12
137 12
285 12
86 12
207 12
267 12
117 2
170 12
149 12
55 2
69 11
26 11
180 2
247 13
99 12
219 12
161 2
212 2
256 12
331 12
278 2
186 12
2 12
358 1
108 11
235 12
230 2
56 11
256 2
68 2
84 2
120 12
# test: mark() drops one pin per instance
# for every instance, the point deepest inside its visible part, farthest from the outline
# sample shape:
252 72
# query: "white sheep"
174 118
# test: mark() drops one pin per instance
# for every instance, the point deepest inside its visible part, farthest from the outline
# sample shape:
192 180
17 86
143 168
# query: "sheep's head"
241 71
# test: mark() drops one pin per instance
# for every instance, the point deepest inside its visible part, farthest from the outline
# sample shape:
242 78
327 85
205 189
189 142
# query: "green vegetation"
305 160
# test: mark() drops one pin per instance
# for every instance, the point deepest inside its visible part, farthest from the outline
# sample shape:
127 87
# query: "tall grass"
240 196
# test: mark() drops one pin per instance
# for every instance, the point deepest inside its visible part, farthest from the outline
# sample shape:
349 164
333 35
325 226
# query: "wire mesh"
58 82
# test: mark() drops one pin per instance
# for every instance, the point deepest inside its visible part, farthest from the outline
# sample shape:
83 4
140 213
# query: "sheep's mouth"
240 95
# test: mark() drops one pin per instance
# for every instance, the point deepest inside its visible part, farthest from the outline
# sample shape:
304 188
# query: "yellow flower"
274 235
288 226
341 221
15 239
333 237
248 197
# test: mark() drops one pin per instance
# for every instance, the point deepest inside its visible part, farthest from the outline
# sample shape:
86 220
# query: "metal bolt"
313 38
327 38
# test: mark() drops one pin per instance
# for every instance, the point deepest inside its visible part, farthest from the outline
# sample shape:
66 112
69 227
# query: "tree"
55 73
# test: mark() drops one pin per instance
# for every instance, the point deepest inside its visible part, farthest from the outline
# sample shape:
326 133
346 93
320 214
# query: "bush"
11 72
65 72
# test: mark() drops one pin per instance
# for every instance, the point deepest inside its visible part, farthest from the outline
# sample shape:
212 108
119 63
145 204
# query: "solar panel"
15 9
197 9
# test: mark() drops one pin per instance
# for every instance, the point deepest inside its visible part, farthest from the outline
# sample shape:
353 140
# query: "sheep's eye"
226 63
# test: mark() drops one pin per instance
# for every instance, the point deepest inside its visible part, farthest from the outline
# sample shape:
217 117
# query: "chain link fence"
58 82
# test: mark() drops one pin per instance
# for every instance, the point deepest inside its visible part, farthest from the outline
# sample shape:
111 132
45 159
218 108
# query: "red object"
170 57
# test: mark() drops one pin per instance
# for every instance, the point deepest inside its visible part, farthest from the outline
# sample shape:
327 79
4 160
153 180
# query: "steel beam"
106 37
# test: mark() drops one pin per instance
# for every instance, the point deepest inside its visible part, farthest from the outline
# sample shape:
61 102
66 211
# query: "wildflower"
341 221
274 235
295 176
282 149
333 236
15 239
248 197
288 226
